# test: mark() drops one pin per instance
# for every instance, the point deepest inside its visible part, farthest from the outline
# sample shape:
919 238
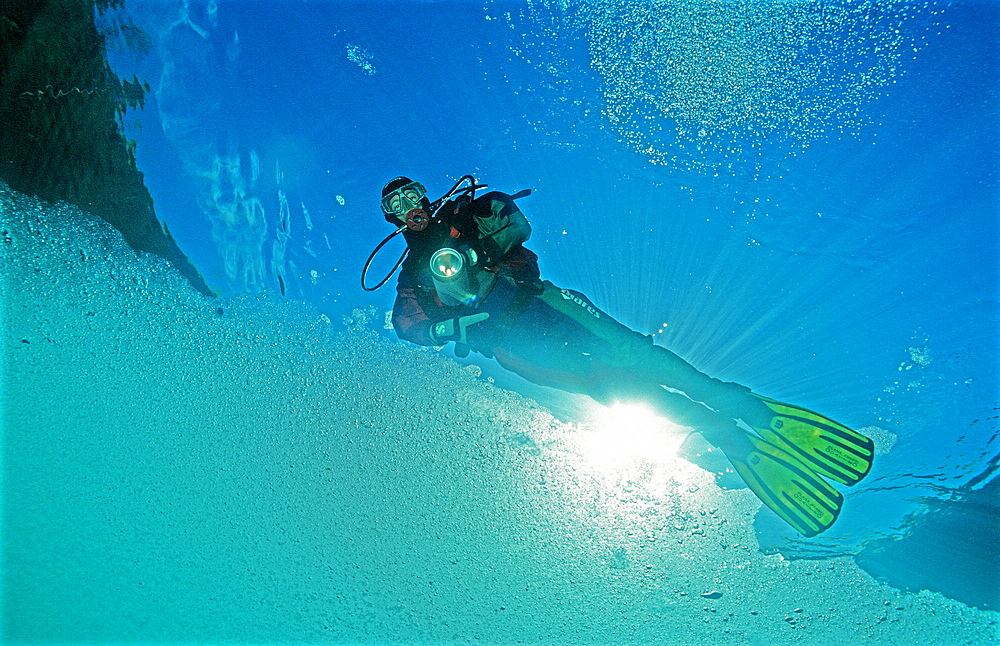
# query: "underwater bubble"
883 439
921 356
361 58
701 83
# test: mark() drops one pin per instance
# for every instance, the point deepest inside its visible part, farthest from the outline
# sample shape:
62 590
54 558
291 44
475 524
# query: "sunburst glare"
625 434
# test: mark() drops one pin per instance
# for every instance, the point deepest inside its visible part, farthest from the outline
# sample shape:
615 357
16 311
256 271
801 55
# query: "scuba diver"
467 279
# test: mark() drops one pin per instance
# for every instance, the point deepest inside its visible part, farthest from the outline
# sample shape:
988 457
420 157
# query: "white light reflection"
615 483
638 488
623 436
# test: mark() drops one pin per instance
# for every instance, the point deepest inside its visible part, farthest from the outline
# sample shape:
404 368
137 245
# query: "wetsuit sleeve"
502 227
409 319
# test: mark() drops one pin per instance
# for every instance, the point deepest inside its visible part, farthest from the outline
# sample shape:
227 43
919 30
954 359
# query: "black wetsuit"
548 335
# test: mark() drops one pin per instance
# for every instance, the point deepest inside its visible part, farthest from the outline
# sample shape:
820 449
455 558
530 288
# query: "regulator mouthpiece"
417 219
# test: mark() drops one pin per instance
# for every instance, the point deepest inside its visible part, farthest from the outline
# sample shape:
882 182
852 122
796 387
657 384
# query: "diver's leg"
729 398
548 360
675 406
645 361
637 356
717 428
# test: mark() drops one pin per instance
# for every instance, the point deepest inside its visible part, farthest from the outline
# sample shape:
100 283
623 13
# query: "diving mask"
404 204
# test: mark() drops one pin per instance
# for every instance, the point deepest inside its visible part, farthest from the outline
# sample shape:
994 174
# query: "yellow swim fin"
782 482
825 446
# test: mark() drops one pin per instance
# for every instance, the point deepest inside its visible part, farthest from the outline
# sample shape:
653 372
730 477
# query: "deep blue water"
810 209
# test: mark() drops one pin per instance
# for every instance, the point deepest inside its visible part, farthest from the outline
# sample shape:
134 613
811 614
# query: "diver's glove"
456 329
462 203
479 253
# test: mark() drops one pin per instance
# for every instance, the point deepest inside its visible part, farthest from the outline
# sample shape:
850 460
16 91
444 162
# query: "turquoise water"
179 468
800 197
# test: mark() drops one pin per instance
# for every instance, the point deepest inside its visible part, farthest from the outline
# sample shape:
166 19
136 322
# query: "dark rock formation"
60 110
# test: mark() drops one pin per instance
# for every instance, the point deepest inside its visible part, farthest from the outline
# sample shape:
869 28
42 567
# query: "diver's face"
403 200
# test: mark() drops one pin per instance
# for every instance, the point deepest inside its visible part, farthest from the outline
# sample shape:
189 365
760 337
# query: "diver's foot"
737 402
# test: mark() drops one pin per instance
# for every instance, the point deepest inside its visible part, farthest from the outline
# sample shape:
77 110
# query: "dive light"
457 279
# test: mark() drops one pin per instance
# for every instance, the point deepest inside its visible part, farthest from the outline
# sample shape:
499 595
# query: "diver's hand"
473 253
455 329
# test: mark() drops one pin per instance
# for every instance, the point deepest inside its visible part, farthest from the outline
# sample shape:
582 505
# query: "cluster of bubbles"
699 83
361 58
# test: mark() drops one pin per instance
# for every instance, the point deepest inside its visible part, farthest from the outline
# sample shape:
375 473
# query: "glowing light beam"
623 434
